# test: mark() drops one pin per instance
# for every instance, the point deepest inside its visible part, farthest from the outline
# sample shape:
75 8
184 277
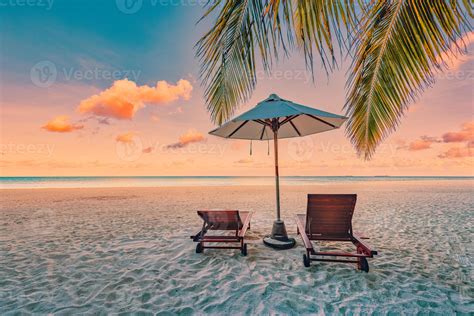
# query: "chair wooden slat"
330 214
329 218
225 220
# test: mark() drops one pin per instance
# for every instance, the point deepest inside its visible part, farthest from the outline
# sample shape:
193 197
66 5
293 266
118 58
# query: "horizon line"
238 176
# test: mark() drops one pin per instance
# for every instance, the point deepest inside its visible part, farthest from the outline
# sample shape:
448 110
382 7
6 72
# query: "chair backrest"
222 220
330 215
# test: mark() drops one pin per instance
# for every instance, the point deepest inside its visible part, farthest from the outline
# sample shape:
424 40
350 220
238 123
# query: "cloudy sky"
102 88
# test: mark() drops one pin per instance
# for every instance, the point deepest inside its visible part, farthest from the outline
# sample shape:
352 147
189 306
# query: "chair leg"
306 260
199 247
358 260
243 247
362 263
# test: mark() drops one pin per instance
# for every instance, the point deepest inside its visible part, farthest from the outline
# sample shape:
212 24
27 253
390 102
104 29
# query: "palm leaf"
398 45
401 46
227 54
324 25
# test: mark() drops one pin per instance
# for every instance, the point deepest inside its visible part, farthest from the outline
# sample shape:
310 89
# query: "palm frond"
324 25
401 46
244 28
398 45
227 54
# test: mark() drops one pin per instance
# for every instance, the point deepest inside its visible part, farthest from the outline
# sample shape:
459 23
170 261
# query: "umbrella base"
279 238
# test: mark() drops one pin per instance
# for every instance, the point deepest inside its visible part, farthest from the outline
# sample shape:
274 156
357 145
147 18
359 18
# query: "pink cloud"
465 135
147 150
244 161
420 144
189 137
457 152
126 138
61 124
178 110
124 98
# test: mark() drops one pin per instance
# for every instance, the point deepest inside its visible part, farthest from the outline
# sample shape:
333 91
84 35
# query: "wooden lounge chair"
226 220
329 218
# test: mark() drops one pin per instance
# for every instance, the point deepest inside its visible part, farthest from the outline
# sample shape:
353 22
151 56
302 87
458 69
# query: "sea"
177 181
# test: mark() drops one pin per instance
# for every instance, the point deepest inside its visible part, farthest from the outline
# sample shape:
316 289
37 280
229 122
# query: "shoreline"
201 182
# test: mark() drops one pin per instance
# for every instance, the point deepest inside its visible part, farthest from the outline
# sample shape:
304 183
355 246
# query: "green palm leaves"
227 54
397 55
398 46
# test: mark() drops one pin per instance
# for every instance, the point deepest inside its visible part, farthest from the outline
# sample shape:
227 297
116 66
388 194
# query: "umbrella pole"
279 238
277 174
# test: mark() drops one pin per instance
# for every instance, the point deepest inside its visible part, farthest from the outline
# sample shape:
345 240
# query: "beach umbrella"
276 118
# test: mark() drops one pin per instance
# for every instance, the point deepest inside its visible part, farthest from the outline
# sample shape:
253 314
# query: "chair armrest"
360 235
300 218
364 245
245 225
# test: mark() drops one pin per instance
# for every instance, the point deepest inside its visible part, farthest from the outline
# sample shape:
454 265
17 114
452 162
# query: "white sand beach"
112 250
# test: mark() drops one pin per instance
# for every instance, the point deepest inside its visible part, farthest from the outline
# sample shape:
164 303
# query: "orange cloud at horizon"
124 98
61 124
244 161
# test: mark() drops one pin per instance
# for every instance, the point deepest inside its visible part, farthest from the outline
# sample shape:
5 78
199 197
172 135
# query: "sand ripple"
128 250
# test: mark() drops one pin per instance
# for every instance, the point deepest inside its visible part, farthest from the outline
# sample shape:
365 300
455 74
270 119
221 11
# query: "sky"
109 88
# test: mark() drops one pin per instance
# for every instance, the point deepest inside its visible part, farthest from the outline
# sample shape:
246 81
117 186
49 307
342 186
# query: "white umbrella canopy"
275 118
294 120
